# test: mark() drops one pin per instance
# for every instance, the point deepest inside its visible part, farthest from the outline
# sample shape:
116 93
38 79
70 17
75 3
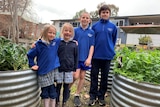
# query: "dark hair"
104 7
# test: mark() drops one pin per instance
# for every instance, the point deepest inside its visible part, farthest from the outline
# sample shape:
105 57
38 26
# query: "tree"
79 13
94 14
114 10
16 8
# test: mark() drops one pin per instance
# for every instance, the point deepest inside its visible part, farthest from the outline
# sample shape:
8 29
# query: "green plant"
142 65
12 56
144 40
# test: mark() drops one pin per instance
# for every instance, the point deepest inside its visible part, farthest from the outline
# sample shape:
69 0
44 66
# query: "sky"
48 10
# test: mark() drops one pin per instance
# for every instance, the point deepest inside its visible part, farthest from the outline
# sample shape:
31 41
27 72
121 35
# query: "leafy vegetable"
12 56
142 65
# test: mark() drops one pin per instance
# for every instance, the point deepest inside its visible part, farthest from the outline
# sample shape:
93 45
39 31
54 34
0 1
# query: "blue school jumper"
47 58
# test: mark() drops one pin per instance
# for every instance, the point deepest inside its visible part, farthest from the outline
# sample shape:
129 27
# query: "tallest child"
105 41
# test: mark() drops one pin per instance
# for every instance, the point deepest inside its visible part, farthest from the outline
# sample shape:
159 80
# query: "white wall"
133 39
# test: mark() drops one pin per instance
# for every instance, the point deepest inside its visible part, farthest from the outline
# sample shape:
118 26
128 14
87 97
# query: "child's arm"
33 45
88 60
32 53
75 42
76 58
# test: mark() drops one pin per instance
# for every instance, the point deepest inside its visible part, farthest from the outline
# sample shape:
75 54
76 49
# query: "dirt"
84 96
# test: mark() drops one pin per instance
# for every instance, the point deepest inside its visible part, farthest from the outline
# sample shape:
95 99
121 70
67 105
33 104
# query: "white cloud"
65 9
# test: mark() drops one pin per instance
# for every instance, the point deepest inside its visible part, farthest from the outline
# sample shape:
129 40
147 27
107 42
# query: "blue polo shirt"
85 38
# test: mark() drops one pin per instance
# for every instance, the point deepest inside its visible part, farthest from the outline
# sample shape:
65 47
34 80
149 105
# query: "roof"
142 29
135 18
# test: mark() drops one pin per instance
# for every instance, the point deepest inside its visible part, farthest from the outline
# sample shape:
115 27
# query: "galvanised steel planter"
19 89
129 93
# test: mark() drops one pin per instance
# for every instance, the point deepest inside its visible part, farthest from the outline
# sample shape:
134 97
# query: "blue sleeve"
75 34
32 53
93 38
93 27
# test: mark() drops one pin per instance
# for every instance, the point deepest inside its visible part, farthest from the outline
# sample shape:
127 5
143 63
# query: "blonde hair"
67 25
81 15
45 31
85 13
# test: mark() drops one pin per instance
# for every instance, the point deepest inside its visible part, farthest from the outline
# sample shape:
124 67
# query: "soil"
84 96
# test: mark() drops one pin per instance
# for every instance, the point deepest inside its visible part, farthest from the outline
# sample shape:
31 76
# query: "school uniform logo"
54 43
110 29
90 35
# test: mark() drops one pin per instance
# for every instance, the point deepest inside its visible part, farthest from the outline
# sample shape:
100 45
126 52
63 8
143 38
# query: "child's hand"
35 67
33 45
76 42
87 62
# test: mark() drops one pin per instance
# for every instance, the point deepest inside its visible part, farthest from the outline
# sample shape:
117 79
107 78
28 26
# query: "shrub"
12 56
145 40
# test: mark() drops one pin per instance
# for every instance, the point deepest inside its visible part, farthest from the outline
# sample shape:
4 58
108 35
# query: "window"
60 24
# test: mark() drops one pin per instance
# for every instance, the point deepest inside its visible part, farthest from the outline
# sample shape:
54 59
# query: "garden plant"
141 65
18 85
12 56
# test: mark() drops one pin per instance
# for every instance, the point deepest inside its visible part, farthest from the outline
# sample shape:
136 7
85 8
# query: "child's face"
51 33
85 19
105 14
67 33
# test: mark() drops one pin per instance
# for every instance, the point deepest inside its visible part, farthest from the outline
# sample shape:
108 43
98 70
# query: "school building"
119 21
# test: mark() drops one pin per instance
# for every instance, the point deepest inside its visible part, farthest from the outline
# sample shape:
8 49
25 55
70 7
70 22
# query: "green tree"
79 13
114 10
94 13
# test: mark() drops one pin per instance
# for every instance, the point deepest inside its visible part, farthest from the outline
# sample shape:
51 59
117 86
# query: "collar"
104 21
85 27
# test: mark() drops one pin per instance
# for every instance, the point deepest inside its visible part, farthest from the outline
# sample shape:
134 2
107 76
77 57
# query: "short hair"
104 7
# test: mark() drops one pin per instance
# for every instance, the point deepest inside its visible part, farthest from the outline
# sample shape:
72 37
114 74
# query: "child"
85 38
68 56
47 62
105 41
